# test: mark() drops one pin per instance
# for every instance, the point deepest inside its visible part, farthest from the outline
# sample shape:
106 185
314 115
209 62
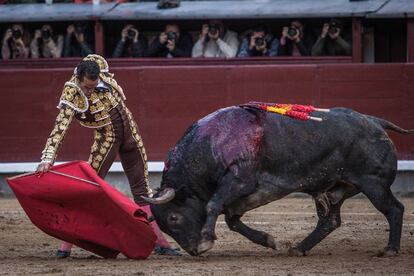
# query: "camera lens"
171 36
46 34
332 28
213 29
131 34
259 41
16 33
79 29
292 31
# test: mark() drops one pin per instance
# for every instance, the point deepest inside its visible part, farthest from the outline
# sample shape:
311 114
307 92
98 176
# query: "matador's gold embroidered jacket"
92 111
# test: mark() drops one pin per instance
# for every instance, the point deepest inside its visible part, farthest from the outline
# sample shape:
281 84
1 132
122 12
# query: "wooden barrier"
165 100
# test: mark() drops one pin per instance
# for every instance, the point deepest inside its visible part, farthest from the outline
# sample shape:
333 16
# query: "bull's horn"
166 195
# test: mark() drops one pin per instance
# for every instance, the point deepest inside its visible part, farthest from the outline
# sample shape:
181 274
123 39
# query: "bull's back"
345 141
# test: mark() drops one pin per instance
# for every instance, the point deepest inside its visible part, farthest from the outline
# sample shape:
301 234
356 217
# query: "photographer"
216 41
43 45
15 43
331 42
293 41
75 44
132 43
171 43
257 43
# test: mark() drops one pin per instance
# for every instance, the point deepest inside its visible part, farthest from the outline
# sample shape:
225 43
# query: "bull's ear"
164 196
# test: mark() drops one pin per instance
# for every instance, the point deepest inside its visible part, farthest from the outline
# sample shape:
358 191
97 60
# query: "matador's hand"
43 167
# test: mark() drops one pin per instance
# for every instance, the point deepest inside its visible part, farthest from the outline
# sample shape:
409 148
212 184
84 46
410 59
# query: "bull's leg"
385 202
329 220
234 184
259 237
328 207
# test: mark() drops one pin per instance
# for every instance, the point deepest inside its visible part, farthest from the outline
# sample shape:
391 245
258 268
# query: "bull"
239 158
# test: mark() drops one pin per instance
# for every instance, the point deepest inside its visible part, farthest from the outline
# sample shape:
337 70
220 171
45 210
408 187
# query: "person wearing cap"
93 97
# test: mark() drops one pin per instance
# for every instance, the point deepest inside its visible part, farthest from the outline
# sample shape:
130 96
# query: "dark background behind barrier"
165 100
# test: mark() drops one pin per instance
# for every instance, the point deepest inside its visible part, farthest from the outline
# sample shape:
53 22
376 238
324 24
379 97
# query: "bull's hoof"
295 252
204 246
271 242
387 252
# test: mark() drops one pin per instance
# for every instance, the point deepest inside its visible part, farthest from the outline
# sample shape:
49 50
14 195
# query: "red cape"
97 218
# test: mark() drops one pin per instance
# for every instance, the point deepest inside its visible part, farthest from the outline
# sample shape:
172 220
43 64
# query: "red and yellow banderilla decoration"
295 111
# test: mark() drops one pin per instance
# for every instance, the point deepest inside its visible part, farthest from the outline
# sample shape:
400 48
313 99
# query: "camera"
333 28
259 41
213 29
131 34
292 31
16 33
46 34
79 29
171 36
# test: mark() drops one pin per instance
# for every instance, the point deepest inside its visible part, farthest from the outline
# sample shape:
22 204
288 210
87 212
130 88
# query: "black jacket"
183 47
125 49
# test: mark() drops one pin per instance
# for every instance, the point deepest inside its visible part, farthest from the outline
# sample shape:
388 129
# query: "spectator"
15 43
132 43
75 44
216 41
293 41
44 46
258 43
331 42
171 43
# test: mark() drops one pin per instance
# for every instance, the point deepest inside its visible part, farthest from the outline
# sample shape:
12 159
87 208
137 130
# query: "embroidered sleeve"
62 124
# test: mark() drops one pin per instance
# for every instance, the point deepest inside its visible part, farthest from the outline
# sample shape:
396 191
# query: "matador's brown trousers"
122 137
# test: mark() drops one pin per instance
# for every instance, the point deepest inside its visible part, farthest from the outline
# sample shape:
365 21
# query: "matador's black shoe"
166 251
61 254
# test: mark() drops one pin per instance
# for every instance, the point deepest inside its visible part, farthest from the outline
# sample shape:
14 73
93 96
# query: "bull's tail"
388 125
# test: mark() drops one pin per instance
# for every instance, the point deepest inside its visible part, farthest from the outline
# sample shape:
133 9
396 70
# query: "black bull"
237 159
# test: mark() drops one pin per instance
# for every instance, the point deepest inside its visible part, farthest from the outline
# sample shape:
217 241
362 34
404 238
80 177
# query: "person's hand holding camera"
214 36
37 34
70 29
171 45
124 34
262 46
334 32
325 30
258 42
80 37
285 32
163 38
293 34
133 34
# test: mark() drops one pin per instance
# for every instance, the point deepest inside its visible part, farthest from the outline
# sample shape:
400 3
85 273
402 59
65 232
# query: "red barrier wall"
165 100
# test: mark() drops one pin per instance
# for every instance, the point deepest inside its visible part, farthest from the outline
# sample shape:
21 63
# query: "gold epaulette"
73 97
108 78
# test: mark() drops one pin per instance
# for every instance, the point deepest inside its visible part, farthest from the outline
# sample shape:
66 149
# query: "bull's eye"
173 219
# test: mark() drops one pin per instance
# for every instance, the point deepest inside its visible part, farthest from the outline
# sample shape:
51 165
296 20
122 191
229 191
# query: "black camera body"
80 29
171 36
292 31
131 34
46 34
213 29
333 28
259 41
16 34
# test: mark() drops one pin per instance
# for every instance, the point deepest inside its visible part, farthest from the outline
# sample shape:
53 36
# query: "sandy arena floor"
350 249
